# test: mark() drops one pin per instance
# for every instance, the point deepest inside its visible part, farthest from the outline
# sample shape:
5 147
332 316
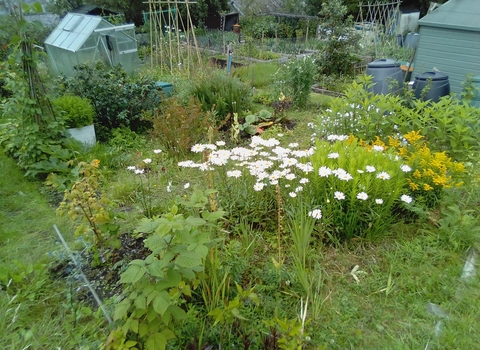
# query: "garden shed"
80 38
450 42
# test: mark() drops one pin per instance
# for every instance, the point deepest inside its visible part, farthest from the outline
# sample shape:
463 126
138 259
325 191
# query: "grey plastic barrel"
437 84
476 93
387 76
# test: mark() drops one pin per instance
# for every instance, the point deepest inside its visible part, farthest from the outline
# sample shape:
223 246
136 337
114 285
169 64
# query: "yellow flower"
413 136
393 142
417 174
440 180
402 152
412 185
95 163
458 167
427 187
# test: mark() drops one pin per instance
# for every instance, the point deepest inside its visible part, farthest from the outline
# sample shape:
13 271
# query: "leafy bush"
295 80
223 93
117 99
77 111
449 125
177 126
340 42
355 187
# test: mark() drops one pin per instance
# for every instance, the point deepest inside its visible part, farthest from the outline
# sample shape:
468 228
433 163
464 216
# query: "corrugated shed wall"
451 51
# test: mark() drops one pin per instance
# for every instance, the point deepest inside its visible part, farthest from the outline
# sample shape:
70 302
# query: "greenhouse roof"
72 32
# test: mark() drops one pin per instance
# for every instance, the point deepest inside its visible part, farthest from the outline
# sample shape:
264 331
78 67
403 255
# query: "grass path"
36 311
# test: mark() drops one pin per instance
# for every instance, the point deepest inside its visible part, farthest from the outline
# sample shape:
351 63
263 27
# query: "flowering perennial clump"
351 188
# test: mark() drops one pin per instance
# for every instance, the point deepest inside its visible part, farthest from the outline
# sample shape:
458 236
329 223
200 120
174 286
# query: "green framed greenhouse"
450 42
80 39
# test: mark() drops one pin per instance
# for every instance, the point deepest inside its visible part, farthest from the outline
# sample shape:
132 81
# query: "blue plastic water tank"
437 83
387 76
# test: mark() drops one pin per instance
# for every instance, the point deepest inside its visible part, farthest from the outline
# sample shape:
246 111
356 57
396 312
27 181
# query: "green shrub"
295 80
117 99
449 125
77 111
223 93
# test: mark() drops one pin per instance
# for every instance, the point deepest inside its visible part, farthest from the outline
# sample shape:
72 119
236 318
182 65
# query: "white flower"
406 199
290 176
339 195
220 143
377 148
405 168
344 176
362 196
187 164
292 194
304 181
383 176
333 155
147 160
198 148
234 173
379 201
360 171
293 145
131 167
299 189
370 169
258 186
287 185
280 135
157 151
324 171
316 214
139 171
169 187
187 185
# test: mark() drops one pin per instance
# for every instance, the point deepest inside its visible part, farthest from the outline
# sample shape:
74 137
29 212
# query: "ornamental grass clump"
357 186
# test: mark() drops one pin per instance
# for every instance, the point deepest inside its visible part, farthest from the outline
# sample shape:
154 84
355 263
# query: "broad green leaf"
155 242
168 334
177 312
156 341
188 259
143 330
121 309
133 274
195 221
213 216
161 302
147 226
140 302
235 312
130 343
156 268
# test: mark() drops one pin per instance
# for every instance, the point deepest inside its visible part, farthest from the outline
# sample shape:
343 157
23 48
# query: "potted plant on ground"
78 115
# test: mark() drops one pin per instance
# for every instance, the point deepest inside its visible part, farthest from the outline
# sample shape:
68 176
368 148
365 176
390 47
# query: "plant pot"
85 135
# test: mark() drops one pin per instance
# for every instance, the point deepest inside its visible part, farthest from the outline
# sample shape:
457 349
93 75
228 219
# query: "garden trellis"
377 21
169 46
80 39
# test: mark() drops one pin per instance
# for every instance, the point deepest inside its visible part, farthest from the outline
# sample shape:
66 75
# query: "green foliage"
158 287
117 99
178 125
357 188
91 210
223 93
76 111
295 80
449 125
337 57
254 123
